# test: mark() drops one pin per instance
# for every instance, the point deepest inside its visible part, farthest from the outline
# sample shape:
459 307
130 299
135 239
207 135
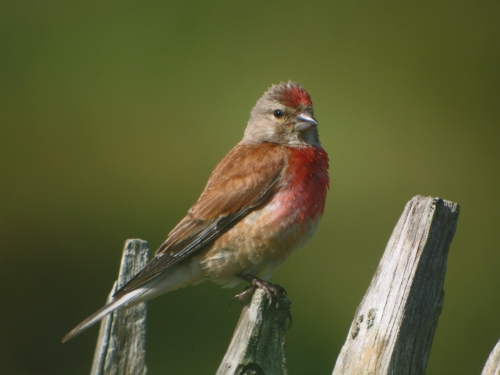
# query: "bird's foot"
247 292
274 292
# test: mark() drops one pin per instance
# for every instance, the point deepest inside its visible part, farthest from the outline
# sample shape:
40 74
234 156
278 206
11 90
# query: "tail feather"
127 299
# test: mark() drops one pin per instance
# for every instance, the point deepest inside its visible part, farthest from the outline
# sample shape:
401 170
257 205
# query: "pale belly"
260 242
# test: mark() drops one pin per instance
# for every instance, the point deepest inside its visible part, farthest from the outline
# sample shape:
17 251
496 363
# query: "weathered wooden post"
394 325
492 366
121 345
258 343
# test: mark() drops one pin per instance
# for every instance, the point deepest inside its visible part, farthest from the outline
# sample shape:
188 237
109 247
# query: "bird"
261 203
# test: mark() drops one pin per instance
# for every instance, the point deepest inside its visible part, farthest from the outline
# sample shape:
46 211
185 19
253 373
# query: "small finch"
262 202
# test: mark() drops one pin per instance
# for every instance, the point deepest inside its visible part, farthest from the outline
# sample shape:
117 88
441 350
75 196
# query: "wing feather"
246 178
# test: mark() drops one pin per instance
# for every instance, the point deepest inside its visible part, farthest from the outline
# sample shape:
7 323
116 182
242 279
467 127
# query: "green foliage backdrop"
113 115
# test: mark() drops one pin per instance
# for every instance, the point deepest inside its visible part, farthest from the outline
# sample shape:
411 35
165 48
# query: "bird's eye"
278 113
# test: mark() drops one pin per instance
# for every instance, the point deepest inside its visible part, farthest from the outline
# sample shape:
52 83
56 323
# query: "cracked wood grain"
121 345
394 325
258 343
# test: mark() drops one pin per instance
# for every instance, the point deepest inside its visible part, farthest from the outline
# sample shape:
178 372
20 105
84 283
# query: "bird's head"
284 115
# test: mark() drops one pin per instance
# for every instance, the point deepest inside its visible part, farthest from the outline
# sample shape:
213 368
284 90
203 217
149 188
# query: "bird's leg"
274 292
248 291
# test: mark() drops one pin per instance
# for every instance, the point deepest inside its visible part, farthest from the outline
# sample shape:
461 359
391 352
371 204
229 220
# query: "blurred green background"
113 115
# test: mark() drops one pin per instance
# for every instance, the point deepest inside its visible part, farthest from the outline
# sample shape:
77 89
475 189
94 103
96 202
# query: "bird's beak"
305 121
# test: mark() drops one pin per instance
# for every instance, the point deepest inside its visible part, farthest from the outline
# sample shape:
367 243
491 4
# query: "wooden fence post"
258 343
394 325
121 345
492 366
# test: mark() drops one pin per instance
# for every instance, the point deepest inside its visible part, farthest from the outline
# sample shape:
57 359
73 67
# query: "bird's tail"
131 298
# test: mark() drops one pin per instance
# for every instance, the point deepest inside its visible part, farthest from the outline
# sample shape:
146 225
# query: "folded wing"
246 178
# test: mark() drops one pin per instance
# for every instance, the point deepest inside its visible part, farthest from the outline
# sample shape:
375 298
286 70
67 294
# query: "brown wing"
243 180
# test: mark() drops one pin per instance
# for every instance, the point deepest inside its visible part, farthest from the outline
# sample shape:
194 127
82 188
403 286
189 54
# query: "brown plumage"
241 182
261 203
